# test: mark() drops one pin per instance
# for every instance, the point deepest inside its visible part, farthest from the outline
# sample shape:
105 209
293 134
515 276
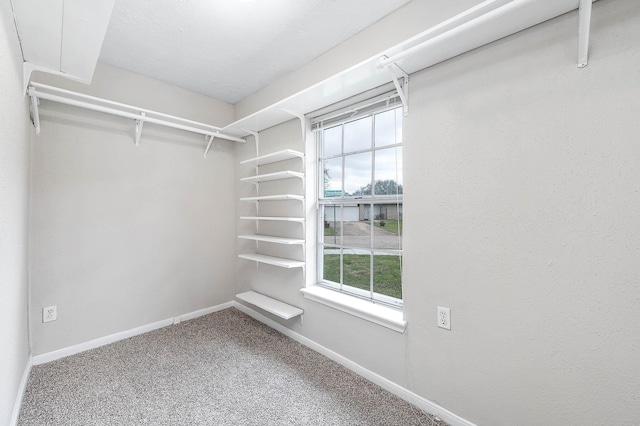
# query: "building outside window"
360 203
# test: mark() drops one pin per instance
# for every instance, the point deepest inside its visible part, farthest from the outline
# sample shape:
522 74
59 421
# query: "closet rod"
444 27
141 115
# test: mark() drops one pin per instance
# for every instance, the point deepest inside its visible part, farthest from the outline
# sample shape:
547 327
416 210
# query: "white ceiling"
229 49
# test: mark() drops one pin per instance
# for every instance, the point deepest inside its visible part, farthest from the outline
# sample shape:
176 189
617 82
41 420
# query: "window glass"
385 130
357 135
388 175
357 174
332 141
332 177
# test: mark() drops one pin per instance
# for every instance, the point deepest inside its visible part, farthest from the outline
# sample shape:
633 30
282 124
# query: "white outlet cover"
444 318
50 313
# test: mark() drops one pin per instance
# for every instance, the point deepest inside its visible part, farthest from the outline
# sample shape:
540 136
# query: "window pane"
332 224
357 228
357 270
357 174
331 260
387 226
332 178
388 171
357 135
385 128
332 141
387 274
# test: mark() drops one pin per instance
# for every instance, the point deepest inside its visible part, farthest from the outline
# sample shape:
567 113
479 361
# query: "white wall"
522 204
14 189
125 236
530 232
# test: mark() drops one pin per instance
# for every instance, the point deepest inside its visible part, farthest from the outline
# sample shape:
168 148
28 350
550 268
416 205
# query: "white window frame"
371 108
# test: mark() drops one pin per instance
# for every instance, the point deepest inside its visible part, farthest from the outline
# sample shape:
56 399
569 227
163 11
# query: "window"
360 204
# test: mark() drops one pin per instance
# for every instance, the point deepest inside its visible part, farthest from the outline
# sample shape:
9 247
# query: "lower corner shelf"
276 307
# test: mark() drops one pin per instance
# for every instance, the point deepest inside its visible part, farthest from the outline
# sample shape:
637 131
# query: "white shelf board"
275 218
366 75
274 157
272 260
271 239
279 197
269 304
285 174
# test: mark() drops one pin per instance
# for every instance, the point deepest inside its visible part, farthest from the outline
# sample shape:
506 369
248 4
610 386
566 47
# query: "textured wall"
522 183
124 236
522 201
14 186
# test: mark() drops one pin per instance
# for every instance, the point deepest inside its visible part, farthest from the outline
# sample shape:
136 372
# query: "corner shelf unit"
275 157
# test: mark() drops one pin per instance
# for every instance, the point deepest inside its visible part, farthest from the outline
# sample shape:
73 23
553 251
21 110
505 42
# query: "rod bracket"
139 124
401 81
210 141
584 25
35 112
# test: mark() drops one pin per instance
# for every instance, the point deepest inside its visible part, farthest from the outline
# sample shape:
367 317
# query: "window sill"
369 311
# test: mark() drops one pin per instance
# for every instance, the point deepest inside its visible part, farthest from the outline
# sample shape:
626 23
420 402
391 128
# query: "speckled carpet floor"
221 369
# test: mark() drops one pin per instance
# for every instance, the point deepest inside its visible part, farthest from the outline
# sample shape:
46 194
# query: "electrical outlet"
50 313
444 318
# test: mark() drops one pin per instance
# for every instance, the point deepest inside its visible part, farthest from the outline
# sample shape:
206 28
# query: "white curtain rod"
141 115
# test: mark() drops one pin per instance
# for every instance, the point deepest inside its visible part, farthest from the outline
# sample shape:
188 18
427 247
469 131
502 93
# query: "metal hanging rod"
468 17
442 28
140 115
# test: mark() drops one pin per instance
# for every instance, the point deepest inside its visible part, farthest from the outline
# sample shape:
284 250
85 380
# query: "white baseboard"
401 392
96 343
23 387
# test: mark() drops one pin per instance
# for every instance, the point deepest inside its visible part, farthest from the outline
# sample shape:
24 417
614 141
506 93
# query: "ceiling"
229 49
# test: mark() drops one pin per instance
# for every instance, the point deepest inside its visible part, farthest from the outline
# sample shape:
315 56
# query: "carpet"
220 369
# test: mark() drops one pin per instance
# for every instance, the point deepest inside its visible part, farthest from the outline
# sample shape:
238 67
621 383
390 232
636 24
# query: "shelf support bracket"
303 121
584 25
402 87
256 136
35 113
139 124
209 142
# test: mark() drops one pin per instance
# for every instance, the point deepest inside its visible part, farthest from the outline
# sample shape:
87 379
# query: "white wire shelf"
272 260
285 154
271 239
271 305
279 197
285 174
